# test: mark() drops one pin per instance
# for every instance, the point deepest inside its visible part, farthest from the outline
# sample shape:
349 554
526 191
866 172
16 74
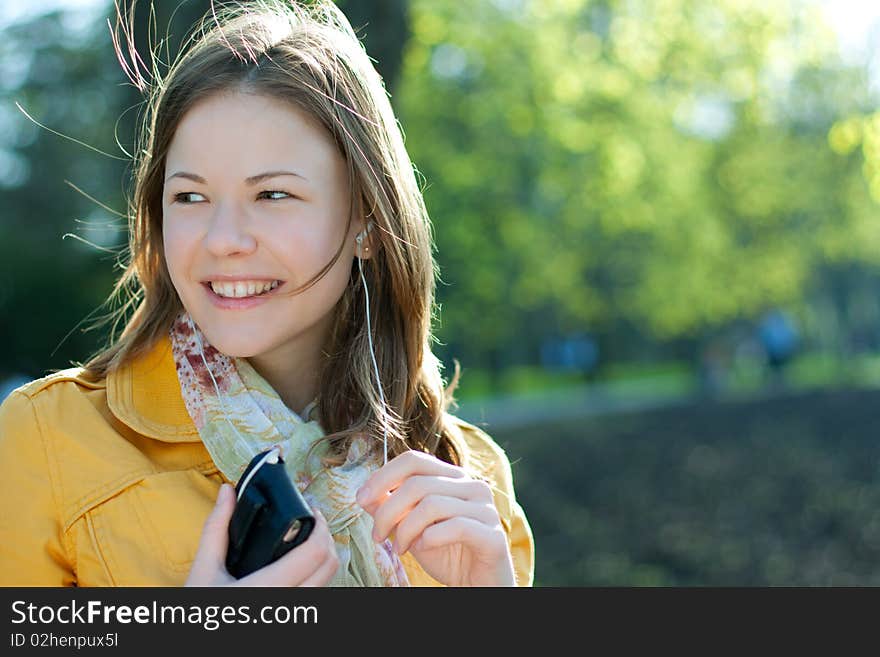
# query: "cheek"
304 252
312 256
176 244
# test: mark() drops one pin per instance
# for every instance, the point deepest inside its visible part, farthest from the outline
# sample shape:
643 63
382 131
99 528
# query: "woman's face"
256 191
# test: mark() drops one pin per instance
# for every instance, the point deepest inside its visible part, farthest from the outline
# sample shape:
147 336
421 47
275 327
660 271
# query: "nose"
228 232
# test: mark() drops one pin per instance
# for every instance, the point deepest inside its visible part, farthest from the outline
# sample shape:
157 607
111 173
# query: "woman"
281 269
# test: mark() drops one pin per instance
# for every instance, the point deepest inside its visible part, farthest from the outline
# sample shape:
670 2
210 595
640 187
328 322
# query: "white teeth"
241 289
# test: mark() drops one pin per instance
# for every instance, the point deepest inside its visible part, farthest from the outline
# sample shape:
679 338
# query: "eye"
274 195
182 197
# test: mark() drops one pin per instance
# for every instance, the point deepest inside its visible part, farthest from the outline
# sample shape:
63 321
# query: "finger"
298 563
325 573
211 553
408 491
433 509
389 511
482 537
401 467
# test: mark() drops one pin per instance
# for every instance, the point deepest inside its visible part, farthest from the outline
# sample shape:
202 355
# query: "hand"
446 519
312 563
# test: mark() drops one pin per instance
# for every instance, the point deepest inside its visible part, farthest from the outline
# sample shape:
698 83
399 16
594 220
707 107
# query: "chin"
234 342
232 352
240 348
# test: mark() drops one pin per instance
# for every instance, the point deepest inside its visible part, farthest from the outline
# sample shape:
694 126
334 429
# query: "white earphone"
360 238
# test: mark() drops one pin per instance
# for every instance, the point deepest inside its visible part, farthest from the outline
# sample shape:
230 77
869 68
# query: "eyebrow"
252 180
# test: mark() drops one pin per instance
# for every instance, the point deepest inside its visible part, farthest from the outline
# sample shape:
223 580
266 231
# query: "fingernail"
363 495
221 494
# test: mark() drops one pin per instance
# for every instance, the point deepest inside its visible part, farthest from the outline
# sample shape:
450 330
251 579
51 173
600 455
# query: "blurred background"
658 231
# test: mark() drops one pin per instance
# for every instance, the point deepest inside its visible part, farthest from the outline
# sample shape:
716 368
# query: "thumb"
215 532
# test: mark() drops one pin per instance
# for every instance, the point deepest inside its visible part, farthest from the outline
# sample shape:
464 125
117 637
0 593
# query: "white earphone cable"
373 355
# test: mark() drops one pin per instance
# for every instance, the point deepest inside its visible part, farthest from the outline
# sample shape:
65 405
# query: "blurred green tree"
653 164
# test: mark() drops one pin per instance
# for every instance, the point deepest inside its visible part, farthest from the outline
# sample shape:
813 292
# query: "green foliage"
660 163
49 284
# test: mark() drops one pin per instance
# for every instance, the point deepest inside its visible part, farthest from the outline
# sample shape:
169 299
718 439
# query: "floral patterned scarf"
238 415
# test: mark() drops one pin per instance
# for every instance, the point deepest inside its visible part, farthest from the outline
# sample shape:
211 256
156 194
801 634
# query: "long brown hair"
309 56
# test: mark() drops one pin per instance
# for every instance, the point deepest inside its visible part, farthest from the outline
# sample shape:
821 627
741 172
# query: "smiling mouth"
265 293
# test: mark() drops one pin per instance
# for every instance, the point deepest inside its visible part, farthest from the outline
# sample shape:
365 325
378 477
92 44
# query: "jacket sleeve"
522 547
31 537
489 459
513 518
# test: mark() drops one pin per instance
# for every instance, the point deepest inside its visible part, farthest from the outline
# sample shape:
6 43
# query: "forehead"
238 132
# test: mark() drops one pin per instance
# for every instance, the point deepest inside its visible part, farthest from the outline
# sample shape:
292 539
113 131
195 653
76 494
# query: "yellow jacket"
107 483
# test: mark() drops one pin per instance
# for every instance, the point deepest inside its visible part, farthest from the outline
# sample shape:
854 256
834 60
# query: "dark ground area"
783 491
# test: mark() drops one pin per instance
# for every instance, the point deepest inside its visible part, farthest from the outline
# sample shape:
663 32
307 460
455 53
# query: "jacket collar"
145 395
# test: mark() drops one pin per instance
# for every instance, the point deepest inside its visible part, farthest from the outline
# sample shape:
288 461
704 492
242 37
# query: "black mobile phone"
270 517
